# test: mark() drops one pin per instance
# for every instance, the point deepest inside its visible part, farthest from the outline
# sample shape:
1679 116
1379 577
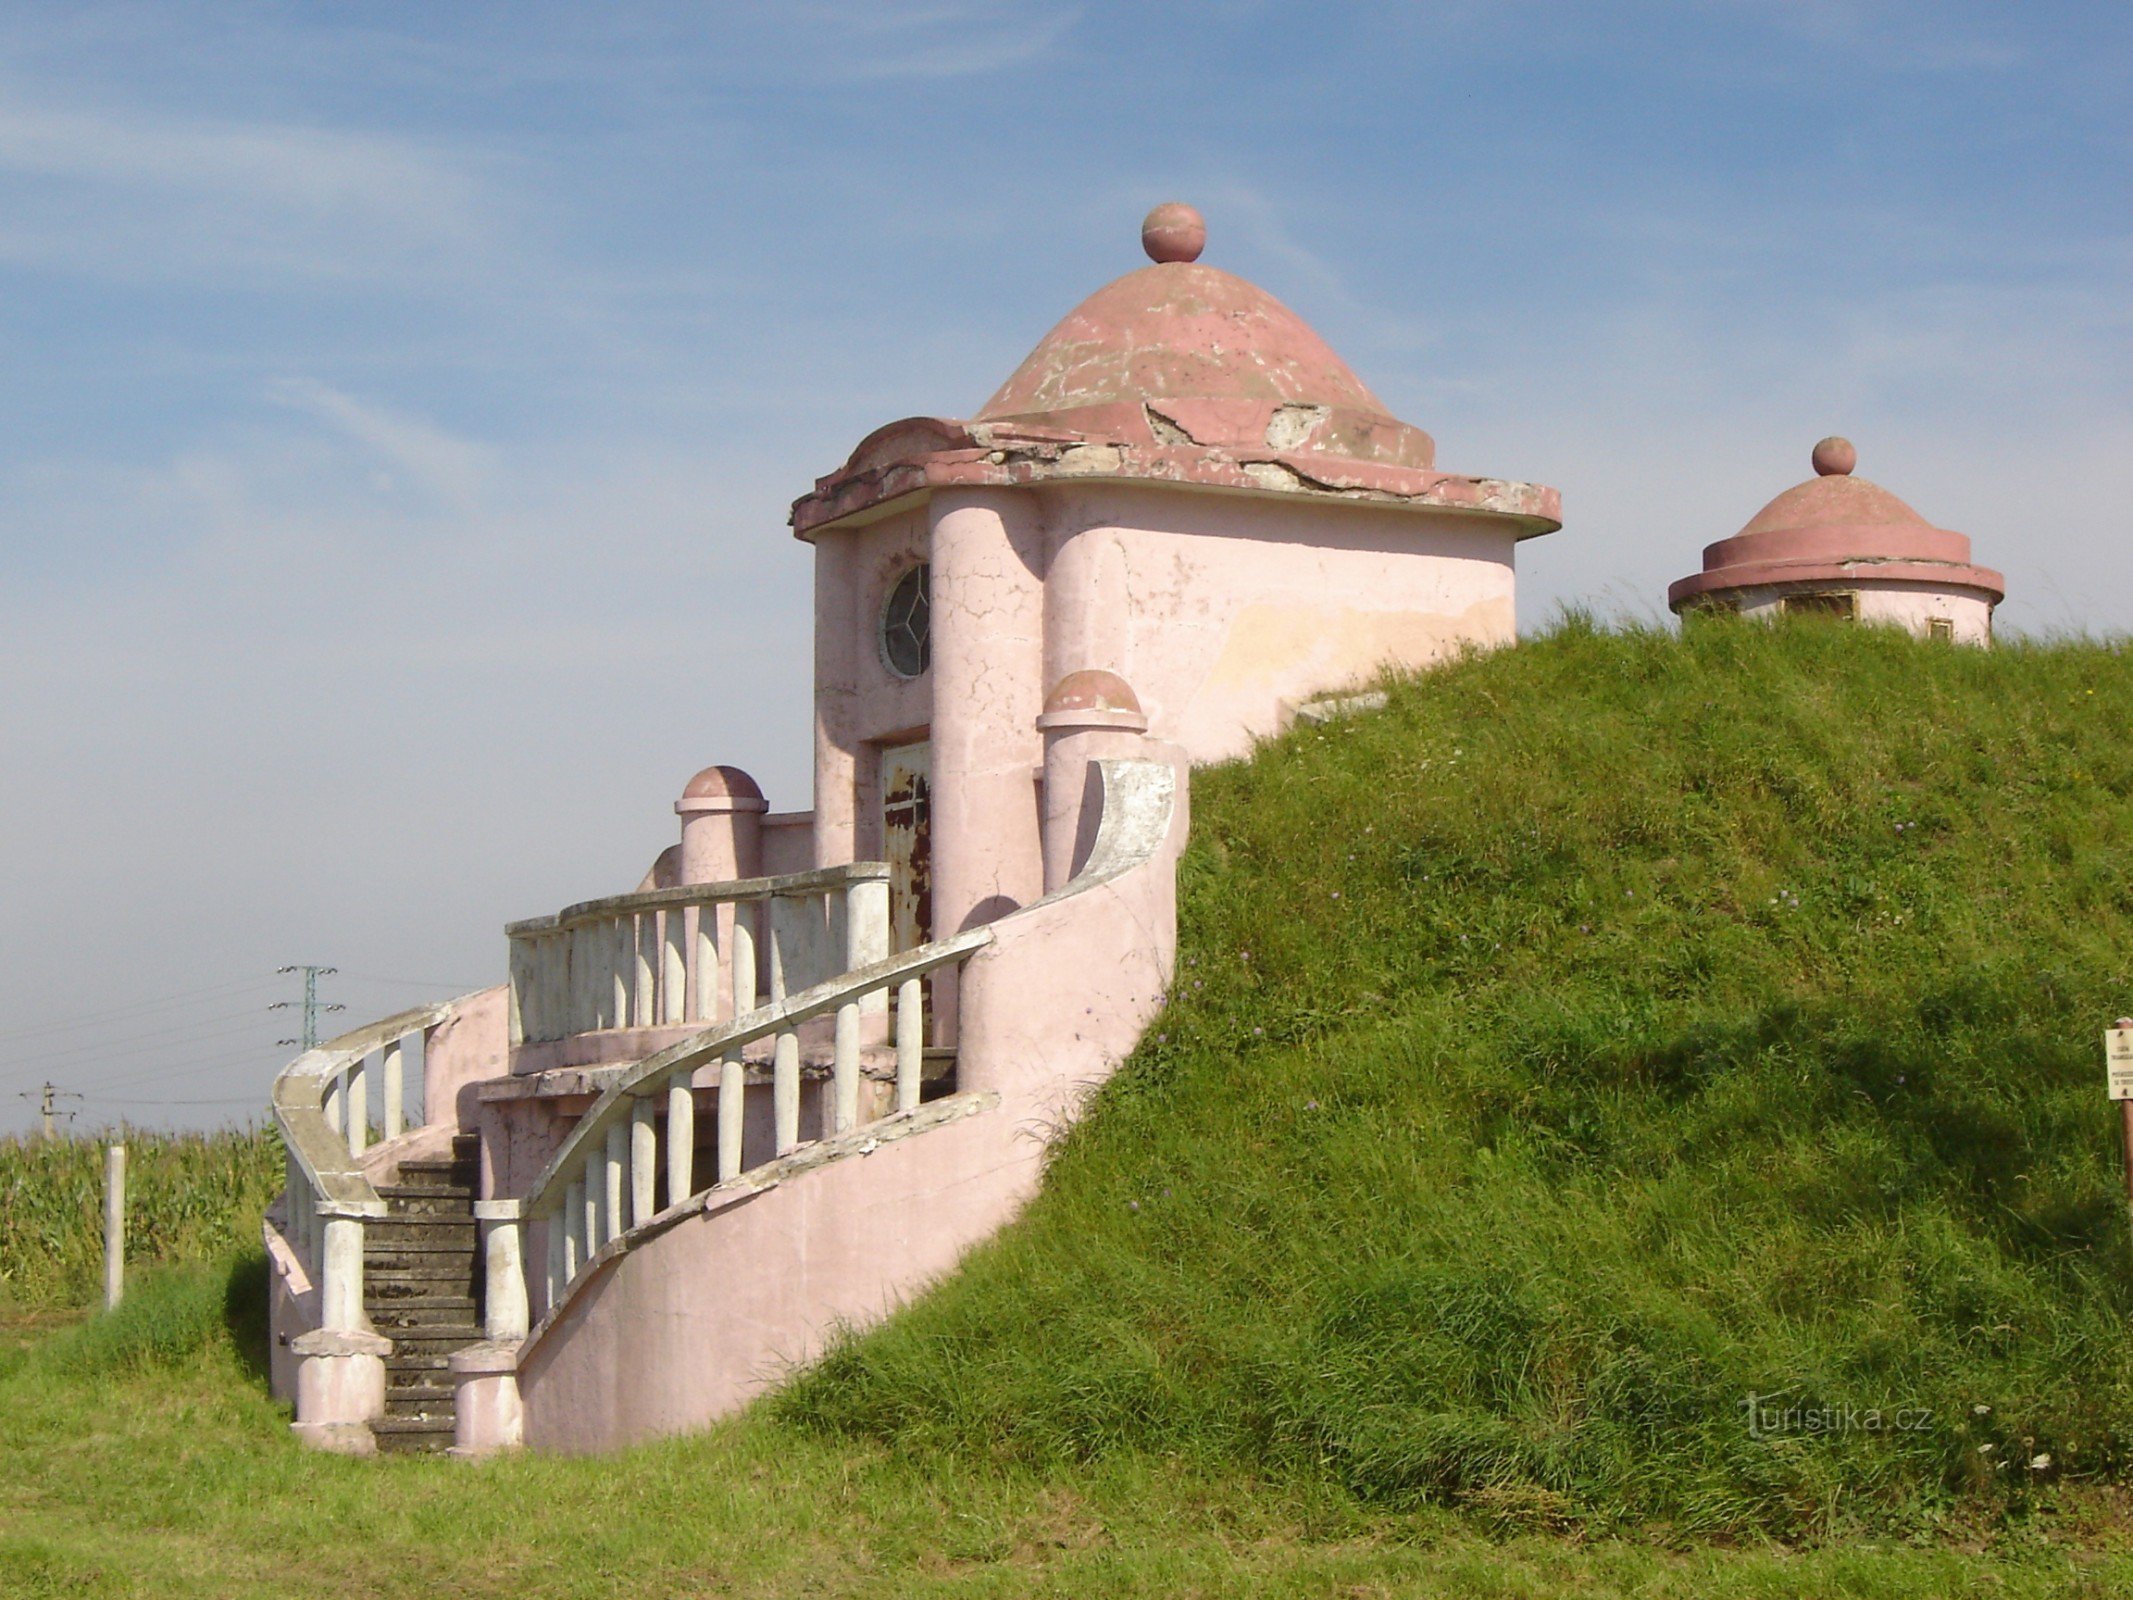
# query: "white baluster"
644 1160
622 956
681 1141
524 1006
844 1070
866 941
744 915
732 1104
333 1102
910 1041
674 965
644 1000
577 970
785 1090
392 1084
595 1192
777 914
359 1106
703 966
617 1172
558 1261
575 1254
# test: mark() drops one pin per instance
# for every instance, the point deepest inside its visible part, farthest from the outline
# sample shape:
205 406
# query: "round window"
907 624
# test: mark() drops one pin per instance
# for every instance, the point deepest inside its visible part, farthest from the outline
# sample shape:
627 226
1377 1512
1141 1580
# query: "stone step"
434 1233
439 1340
412 1435
421 1314
415 1174
401 1200
416 1274
428 1367
419 1400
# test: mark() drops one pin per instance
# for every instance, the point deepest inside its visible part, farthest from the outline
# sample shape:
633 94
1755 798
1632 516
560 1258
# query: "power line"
126 1011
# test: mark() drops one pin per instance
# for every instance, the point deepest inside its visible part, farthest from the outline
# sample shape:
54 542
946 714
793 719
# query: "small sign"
2118 1061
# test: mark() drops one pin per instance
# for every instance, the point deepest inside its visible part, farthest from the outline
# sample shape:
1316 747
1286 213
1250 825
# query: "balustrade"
610 1173
693 956
323 1102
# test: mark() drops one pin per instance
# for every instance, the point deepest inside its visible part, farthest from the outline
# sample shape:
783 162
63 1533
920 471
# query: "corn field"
189 1196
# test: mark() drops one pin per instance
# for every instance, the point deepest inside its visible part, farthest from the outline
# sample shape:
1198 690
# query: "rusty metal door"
907 842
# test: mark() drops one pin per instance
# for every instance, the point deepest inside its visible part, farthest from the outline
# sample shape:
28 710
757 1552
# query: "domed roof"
1182 374
1093 698
1836 528
1181 348
721 789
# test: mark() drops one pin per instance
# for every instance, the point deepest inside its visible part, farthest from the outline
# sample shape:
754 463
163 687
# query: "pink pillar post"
721 826
988 627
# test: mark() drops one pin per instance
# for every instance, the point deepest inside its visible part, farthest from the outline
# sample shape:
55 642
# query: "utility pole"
312 1008
48 1099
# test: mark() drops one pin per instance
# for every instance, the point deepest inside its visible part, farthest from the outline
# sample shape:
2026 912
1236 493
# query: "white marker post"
114 1225
2118 1071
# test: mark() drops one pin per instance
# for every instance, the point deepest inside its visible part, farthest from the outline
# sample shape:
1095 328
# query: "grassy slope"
1565 1126
1613 1028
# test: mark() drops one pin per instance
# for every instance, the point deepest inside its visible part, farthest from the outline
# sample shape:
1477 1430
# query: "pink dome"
1196 356
1179 374
721 789
1093 698
1836 528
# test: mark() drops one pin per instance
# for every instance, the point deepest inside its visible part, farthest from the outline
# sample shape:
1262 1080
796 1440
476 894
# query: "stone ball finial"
1834 457
1173 231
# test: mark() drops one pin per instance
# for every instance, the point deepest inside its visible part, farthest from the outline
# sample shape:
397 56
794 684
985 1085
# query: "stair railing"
671 957
604 1179
322 1104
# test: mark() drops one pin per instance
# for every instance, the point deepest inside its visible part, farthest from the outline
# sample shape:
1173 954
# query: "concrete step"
435 1233
419 1275
439 1340
421 1314
399 1436
414 1174
419 1400
403 1200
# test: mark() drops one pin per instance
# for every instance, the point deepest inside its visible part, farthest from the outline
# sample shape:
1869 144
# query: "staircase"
420 1282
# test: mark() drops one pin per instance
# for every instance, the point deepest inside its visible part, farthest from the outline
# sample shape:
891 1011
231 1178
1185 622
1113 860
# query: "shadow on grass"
244 1313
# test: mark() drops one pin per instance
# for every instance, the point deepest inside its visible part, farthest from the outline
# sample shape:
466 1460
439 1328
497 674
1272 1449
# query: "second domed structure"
1839 545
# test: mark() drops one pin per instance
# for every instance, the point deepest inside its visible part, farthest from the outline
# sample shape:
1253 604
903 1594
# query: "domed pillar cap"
1092 698
720 789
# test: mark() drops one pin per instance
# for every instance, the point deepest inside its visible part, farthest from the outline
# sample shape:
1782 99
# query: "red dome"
1190 350
1836 528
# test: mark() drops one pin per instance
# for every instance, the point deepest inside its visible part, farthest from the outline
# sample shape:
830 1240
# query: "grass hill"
1609 1031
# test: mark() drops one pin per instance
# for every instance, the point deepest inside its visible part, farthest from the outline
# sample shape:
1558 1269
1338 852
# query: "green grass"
190 1197
1611 1028
139 1456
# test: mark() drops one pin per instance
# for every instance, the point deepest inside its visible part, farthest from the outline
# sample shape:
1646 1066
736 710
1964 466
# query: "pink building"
1840 545
814 1056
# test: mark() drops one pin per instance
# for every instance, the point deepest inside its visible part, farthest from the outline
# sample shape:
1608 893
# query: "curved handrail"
300 1095
728 1039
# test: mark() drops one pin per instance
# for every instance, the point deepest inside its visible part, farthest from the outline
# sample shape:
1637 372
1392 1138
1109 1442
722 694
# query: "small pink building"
1839 545
816 1054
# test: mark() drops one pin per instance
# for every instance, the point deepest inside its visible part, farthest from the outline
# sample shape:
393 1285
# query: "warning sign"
2118 1062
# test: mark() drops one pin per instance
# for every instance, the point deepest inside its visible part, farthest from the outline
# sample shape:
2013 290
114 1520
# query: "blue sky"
399 404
